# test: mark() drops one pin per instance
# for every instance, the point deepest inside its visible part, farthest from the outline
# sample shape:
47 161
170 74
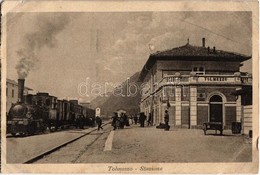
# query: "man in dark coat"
114 120
149 122
142 119
99 122
81 122
166 120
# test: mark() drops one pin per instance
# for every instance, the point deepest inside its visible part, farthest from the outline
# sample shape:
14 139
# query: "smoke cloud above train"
44 35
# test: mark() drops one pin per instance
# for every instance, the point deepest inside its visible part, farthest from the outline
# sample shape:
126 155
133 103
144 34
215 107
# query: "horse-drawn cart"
213 126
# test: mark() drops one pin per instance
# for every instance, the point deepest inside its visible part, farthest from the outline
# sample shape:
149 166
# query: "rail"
41 155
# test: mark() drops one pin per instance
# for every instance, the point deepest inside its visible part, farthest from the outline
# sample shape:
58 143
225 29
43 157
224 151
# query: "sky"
56 52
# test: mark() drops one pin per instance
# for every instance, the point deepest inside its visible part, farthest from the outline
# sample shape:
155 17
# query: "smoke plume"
47 27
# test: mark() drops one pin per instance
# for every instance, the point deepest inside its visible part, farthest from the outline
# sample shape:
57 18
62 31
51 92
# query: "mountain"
120 98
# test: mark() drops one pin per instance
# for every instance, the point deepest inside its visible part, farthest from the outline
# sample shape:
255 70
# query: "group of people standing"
143 117
120 121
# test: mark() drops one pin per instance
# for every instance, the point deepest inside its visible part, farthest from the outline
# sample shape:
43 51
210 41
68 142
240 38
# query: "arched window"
216 98
216 109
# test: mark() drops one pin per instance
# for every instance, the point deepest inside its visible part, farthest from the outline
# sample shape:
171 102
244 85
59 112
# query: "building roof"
191 53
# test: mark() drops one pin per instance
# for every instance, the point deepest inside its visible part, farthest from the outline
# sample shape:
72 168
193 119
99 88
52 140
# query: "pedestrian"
131 120
135 119
126 120
99 122
166 120
81 122
114 120
149 122
142 119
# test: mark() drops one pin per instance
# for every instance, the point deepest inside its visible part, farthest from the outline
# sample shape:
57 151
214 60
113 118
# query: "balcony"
206 79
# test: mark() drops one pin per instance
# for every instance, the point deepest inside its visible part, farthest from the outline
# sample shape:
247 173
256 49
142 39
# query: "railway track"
45 153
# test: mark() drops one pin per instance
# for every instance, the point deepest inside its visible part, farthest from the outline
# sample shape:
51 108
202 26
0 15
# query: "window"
39 102
12 93
216 98
199 70
48 102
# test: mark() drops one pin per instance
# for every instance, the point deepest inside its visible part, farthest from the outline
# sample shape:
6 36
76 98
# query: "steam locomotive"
35 113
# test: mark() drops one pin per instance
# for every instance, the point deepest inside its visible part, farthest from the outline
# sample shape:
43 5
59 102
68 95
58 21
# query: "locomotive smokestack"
20 90
203 42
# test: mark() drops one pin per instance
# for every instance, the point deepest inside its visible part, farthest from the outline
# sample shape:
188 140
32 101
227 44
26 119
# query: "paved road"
144 145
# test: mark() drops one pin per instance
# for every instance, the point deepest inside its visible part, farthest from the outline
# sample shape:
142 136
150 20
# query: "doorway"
216 109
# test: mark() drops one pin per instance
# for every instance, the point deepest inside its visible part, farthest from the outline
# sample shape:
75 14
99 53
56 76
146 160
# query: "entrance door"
216 109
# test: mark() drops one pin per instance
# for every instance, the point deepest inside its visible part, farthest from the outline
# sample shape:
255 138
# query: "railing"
206 79
235 79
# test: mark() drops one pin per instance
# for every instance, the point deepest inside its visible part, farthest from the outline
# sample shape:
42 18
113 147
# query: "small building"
195 85
12 93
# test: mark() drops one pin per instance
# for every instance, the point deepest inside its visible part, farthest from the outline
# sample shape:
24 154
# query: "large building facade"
195 84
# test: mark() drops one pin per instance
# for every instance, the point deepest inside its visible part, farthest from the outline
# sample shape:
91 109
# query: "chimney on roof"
203 42
214 49
208 49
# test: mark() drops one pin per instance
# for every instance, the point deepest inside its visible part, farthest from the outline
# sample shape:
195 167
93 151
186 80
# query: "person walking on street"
131 119
166 120
114 120
99 122
149 122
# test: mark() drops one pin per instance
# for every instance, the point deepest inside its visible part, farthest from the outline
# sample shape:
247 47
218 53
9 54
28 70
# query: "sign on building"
98 112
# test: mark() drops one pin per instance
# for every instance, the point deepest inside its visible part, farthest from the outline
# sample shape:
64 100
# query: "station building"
196 84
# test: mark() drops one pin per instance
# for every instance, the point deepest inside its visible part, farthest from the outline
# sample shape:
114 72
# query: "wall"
223 89
230 115
247 119
185 116
202 114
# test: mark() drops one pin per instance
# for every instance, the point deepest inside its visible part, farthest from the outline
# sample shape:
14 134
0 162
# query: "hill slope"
115 101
